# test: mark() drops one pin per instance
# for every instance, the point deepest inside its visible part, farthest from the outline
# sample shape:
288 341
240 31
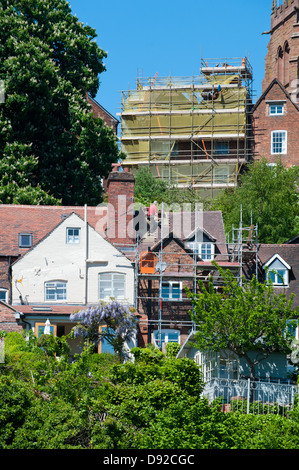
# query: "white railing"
259 396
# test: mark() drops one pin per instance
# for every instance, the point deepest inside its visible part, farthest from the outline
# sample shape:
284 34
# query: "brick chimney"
120 188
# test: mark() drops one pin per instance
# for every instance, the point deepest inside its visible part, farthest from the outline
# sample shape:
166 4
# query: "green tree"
50 142
244 319
149 189
270 195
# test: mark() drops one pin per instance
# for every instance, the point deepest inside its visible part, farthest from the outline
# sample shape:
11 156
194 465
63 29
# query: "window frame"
221 150
276 105
284 144
68 236
171 297
199 251
2 289
24 245
276 274
219 178
56 297
112 274
166 333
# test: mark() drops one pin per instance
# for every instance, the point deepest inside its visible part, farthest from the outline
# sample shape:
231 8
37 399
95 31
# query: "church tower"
275 117
282 59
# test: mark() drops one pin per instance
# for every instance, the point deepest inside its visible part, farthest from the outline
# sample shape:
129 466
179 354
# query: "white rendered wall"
55 260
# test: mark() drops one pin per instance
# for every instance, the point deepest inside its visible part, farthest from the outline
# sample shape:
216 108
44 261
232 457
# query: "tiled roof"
37 220
182 225
290 254
48 309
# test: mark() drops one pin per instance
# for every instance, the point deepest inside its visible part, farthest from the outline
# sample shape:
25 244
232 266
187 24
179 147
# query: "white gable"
277 262
78 264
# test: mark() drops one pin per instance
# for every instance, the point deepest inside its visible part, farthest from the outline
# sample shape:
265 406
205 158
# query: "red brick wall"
100 112
120 187
7 319
174 313
284 28
263 124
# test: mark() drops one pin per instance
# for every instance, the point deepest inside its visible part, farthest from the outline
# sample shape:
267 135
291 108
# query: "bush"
16 398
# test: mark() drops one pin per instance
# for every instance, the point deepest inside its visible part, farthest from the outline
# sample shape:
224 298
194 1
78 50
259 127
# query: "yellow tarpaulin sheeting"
168 115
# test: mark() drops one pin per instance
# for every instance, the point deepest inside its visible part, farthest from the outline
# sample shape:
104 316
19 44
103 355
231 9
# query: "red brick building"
276 113
99 111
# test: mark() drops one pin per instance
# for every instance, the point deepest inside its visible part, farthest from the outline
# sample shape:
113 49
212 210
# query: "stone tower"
282 59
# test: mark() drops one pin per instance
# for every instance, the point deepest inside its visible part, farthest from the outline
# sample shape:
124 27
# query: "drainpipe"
86 252
9 279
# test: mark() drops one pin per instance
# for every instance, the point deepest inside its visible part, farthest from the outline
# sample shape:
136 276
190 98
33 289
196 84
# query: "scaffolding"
187 267
191 131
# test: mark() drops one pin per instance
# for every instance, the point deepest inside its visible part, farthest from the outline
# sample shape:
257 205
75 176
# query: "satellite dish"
161 267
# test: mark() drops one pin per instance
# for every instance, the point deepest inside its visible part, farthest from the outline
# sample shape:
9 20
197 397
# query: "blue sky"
170 38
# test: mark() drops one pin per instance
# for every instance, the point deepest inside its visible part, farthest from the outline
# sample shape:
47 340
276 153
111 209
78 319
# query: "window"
276 109
205 250
25 240
279 277
4 295
174 177
279 142
163 148
221 148
167 336
221 175
277 271
72 235
171 290
112 285
55 290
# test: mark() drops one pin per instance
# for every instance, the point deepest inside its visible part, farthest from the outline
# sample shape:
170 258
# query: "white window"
55 290
278 142
277 271
25 240
171 290
4 295
276 109
205 250
112 285
72 235
279 277
166 336
221 175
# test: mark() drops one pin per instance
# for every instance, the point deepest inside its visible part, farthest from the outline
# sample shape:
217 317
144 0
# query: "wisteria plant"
114 322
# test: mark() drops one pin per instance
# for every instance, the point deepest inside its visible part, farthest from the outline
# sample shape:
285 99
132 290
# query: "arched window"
280 65
286 63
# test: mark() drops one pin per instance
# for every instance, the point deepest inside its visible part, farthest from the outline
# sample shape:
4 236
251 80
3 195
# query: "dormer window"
202 243
206 251
25 240
72 235
277 271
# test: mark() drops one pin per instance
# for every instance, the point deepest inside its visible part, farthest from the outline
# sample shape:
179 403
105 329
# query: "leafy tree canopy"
242 318
50 142
149 189
270 195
